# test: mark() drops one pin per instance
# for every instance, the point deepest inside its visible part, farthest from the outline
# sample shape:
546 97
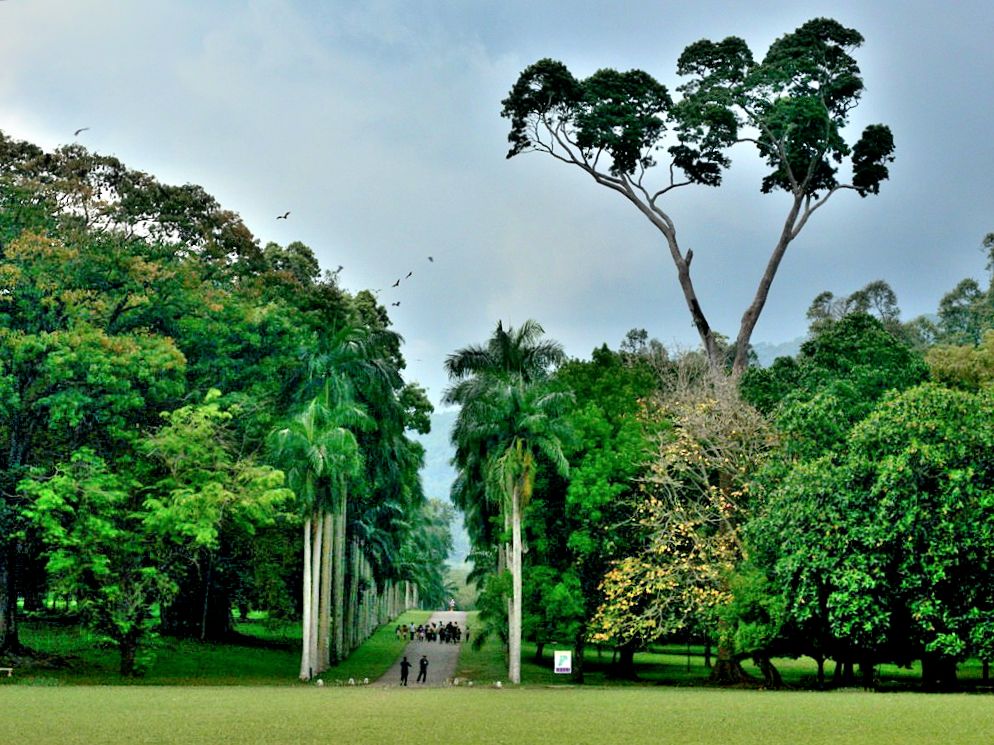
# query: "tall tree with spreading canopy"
793 106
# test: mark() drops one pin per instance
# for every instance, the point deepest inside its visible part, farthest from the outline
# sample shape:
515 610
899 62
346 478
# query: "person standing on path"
423 669
444 658
405 667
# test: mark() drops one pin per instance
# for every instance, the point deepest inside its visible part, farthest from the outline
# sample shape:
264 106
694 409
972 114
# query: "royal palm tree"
319 454
509 416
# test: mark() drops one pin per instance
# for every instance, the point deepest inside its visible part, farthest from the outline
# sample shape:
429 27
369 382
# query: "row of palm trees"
509 416
348 435
349 432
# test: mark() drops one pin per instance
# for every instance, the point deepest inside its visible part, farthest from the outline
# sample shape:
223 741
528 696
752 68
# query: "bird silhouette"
409 275
395 304
81 129
431 259
396 284
340 267
284 216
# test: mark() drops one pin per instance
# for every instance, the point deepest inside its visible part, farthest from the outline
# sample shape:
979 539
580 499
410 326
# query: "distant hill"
438 474
766 352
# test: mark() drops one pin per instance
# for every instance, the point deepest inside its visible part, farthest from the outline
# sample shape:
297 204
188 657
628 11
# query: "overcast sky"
377 124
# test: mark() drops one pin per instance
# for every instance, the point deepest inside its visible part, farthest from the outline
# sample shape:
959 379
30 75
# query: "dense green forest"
194 424
838 504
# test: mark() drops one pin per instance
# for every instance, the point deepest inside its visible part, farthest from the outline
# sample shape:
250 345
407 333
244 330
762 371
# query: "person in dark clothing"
405 668
423 669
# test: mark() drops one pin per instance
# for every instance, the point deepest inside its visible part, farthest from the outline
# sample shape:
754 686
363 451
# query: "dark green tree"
882 552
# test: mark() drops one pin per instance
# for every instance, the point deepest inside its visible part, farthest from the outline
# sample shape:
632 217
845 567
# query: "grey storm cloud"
377 124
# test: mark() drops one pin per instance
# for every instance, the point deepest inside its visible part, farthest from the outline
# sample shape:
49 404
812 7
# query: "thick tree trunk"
771 676
938 673
867 675
356 584
324 611
305 654
624 668
539 651
727 670
33 580
843 675
751 315
514 619
128 649
9 641
579 654
350 599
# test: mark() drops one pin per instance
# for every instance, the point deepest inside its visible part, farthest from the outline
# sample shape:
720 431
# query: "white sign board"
563 662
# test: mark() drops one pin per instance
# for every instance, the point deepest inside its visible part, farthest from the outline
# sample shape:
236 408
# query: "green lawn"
94 715
274 661
269 705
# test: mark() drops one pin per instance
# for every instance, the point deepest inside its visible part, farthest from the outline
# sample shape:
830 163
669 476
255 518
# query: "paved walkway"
442 658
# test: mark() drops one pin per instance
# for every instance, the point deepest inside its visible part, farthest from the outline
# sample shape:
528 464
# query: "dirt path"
442 658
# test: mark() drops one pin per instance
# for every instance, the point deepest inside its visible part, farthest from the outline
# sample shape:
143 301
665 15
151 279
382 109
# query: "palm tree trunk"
315 588
324 612
514 617
350 601
305 652
339 578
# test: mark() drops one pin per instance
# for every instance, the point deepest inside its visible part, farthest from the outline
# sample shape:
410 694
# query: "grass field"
95 715
670 665
273 660
200 693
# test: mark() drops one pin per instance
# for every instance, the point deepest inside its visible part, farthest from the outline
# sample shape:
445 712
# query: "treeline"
838 504
194 423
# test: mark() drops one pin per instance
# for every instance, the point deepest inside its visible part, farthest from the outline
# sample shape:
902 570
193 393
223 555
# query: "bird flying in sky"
408 275
431 259
81 129
396 284
284 216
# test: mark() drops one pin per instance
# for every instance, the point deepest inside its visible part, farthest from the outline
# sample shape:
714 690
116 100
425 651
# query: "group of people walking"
449 633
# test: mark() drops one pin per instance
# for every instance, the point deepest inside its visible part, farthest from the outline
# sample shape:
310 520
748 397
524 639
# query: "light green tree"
116 534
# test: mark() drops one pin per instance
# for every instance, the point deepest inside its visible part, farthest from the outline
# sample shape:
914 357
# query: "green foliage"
94 523
204 488
836 379
425 550
884 550
122 298
116 537
969 367
694 498
793 106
